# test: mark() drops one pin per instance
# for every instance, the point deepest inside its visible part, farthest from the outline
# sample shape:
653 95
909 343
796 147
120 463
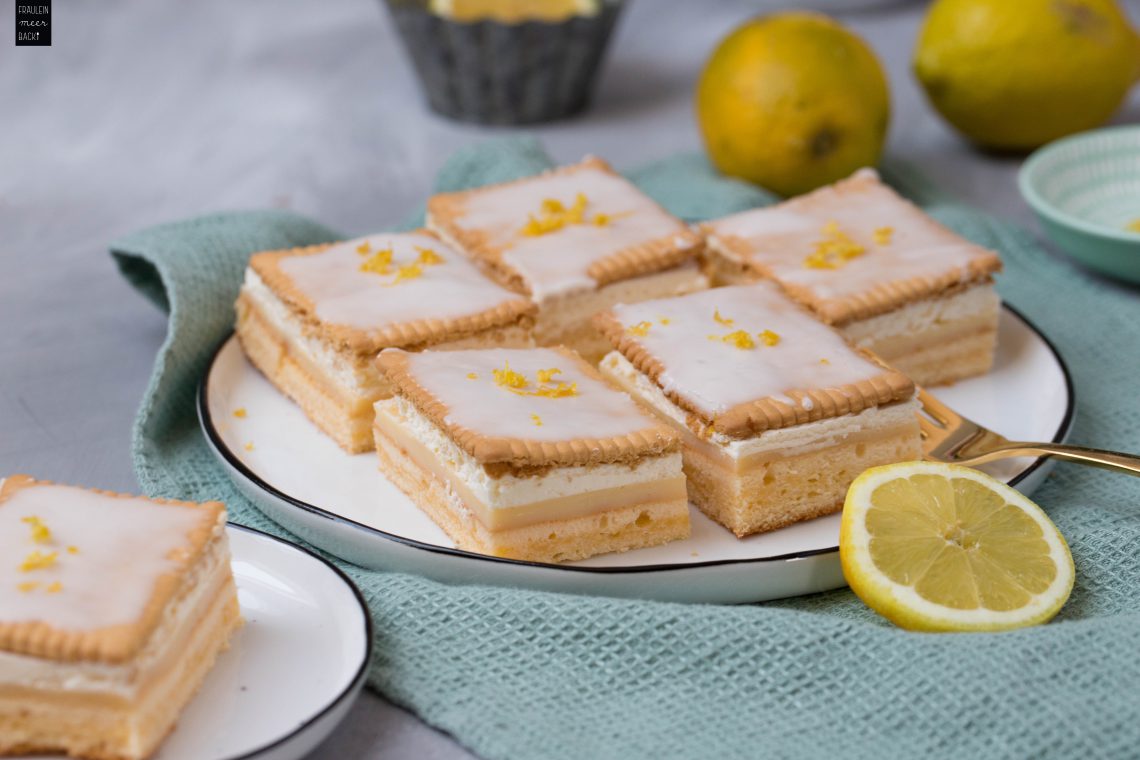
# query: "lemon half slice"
939 547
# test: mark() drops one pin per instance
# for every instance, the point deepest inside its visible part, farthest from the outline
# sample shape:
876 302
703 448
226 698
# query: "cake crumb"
240 413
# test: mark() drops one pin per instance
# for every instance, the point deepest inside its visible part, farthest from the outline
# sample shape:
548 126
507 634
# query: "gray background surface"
144 112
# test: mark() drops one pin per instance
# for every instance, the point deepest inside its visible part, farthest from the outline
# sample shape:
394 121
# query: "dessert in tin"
577 239
313 319
876 267
528 454
777 414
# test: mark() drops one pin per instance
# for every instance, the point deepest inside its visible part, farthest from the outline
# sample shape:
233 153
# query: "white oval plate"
292 671
342 503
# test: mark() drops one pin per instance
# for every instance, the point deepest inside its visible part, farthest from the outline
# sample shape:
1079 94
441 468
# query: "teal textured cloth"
521 674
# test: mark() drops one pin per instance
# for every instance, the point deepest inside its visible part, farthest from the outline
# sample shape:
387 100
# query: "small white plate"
292 671
342 503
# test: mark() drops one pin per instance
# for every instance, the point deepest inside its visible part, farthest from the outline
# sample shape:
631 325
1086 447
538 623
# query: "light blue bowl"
1085 189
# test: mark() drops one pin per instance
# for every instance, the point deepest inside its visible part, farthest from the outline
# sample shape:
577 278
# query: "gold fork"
949 437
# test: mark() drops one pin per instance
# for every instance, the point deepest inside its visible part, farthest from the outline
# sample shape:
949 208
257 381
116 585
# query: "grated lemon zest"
769 338
883 235
41 534
428 257
553 215
379 263
739 339
508 378
407 272
641 329
546 375
834 251
38 560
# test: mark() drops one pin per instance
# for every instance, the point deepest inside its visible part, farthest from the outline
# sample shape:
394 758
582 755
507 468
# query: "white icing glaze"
557 262
343 294
597 411
716 376
123 546
780 237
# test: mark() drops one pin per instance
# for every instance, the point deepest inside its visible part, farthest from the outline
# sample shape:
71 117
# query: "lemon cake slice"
877 268
528 454
578 240
112 610
313 319
777 414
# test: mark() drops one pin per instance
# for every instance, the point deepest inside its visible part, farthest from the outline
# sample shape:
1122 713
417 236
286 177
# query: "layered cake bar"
777 414
112 610
528 454
874 266
578 240
313 319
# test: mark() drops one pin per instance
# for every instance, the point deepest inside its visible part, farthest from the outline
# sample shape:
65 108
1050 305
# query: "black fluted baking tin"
489 72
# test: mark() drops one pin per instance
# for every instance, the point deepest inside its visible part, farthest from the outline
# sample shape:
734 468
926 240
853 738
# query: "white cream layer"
124 679
340 367
509 490
789 441
917 318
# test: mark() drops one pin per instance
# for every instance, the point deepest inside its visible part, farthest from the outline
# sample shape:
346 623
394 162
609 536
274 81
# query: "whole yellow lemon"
792 101
1015 75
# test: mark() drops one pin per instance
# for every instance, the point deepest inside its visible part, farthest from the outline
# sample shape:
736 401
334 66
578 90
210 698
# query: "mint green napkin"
514 674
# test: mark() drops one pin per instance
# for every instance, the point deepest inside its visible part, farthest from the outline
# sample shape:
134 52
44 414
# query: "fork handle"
1109 460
